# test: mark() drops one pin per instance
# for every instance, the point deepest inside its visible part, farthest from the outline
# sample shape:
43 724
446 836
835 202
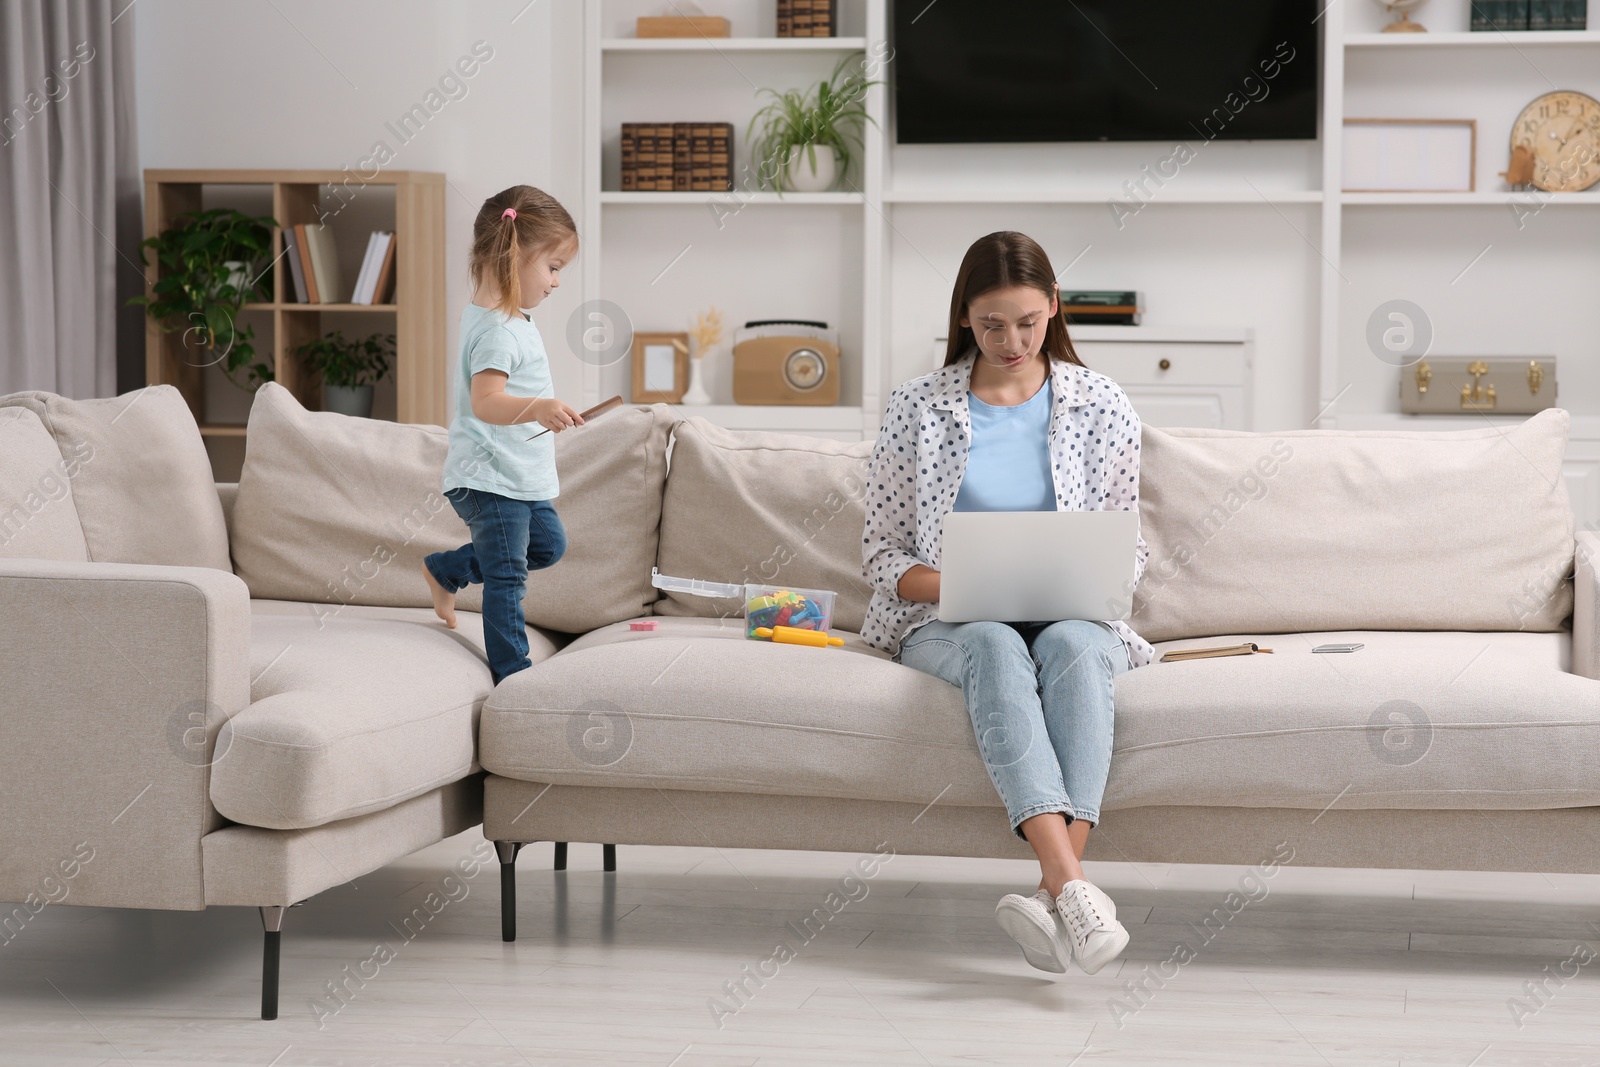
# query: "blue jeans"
1040 697
509 538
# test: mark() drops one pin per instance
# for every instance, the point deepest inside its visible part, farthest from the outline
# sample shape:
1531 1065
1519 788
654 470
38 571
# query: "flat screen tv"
1103 70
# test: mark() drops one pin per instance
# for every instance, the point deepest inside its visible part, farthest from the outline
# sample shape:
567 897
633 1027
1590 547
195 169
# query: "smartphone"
1338 648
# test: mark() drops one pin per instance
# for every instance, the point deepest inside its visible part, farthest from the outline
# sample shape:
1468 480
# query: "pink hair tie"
509 213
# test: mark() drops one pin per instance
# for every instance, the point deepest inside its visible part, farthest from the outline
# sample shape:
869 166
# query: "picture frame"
660 367
1410 156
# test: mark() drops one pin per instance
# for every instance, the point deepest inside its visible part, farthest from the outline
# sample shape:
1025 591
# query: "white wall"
308 84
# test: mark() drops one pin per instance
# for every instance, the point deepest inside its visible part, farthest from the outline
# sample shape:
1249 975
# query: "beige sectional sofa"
239 695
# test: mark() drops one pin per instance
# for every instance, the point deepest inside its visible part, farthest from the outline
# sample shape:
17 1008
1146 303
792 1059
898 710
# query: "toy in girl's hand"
593 413
789 635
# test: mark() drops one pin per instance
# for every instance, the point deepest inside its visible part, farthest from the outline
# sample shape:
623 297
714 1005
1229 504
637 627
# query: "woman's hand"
553 415
920 583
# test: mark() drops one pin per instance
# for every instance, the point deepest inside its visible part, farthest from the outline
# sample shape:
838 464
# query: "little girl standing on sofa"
499 482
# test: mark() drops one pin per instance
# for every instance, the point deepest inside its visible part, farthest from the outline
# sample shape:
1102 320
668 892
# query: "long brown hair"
1001 260
501 242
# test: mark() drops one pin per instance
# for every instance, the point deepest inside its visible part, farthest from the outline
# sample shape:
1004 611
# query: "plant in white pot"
805 136
349 369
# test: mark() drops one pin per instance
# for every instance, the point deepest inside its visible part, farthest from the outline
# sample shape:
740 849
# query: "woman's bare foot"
444 603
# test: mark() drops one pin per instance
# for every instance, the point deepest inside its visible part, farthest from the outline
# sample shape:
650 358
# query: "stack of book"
682 156
808 18
1501 15
314 266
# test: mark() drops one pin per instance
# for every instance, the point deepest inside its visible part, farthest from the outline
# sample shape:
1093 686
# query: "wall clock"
1560 131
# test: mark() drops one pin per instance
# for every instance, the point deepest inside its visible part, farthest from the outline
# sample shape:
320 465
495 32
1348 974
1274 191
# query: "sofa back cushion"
38 517
754 506
141 477
1309 530
339 510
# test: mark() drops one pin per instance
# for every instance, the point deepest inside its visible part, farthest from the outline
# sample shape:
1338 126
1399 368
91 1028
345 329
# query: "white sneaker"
1091 924
1032 924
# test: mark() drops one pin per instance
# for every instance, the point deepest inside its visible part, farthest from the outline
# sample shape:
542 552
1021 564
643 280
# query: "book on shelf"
676 156
318 239
297 278
1540 14
372 279
364 275
808 18
383 285
680 156
303 248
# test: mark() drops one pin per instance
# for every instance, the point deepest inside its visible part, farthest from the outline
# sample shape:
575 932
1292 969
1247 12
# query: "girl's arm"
1121 487
492 404
888 556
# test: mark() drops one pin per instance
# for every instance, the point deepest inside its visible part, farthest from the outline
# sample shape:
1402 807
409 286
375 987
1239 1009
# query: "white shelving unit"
662 256
1251 237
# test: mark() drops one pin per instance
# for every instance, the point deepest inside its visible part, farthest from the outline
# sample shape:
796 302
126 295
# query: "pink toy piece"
642 624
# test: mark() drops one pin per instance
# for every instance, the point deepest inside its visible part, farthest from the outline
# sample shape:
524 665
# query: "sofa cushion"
144 489
1412 720
1303 530
696 705
752 506
352 709
38 517
336 510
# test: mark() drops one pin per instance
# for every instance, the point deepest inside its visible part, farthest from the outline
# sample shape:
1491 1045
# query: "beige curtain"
70 195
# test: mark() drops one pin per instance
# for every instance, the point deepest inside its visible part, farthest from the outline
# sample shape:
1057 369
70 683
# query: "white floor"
1321 967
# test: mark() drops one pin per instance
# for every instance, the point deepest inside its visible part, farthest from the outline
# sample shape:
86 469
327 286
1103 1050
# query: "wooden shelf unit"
420 367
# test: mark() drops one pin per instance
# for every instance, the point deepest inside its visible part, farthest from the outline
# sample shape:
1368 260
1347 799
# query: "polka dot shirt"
921 454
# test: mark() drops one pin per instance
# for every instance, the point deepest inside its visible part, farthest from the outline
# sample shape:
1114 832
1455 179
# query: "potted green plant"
804 137
349 369
206 272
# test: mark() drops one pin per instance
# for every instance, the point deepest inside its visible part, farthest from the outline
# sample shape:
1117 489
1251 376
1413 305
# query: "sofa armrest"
117 678
1586 605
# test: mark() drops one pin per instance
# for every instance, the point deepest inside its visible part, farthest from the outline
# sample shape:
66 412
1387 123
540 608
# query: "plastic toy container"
764 605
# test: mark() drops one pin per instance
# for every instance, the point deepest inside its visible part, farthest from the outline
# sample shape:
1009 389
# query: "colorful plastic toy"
789 635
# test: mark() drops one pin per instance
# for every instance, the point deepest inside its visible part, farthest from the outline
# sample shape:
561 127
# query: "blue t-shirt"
1008 460
501 459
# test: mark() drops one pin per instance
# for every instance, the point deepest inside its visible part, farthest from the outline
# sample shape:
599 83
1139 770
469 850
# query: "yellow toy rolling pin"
793 635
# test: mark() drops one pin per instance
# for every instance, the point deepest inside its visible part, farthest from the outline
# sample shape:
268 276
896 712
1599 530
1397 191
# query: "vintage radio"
780 361
1451 385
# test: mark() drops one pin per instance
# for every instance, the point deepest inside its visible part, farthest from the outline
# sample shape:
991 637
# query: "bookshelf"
411 203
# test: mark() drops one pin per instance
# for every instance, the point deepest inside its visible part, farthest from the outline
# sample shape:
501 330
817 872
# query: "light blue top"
1008 459
500 459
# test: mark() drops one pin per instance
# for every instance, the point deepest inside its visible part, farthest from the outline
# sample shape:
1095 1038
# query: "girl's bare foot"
444 603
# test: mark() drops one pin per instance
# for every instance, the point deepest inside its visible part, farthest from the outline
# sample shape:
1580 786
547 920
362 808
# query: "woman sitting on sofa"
1013 421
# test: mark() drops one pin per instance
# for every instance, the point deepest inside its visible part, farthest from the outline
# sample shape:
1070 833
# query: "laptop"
1037 566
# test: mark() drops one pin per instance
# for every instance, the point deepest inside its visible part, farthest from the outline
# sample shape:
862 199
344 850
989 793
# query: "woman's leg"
1077 661
991 663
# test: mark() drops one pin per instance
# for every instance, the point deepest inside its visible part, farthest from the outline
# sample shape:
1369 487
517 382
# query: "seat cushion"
1413 720
353 709
753 506
38 517
1310 530
341 510
696 705
142 483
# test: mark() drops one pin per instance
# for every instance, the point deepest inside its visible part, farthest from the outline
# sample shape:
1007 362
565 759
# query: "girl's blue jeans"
509 538
1040 697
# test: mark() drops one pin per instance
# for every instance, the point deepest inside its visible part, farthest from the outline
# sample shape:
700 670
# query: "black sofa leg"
507 852
608 855
272 925
561 856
